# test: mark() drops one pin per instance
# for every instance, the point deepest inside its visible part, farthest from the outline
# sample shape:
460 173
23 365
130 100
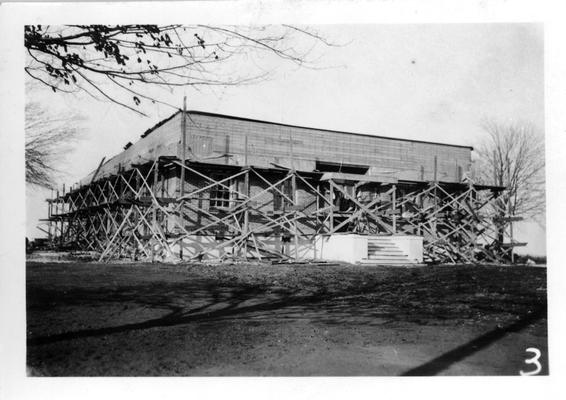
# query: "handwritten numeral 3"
533 360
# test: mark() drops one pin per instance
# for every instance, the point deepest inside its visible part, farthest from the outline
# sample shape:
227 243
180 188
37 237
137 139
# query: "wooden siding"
222 140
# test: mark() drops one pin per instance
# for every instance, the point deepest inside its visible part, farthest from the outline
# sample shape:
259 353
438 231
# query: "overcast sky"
425 82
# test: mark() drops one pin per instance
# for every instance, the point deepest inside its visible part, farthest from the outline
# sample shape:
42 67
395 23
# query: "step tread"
372 262
387 258
376 262
385 251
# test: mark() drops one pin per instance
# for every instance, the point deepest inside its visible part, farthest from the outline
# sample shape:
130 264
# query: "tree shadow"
231 303
443 362
413 296
230 307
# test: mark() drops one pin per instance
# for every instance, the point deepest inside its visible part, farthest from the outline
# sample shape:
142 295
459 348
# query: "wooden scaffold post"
181 204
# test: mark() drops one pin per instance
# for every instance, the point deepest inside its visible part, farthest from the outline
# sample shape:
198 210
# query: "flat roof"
209 114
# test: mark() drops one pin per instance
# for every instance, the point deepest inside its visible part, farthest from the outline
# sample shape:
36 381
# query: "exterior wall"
222 140
265 201
284 145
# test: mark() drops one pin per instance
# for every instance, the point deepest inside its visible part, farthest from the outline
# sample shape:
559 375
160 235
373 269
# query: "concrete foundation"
351 248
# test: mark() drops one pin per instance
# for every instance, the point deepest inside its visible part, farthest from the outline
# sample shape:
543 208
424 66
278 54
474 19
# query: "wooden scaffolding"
174 209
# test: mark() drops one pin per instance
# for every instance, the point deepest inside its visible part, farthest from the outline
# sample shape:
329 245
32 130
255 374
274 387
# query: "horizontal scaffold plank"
507 219
162 200
339 176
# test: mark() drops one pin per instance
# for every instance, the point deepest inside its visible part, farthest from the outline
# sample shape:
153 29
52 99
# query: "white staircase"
383 250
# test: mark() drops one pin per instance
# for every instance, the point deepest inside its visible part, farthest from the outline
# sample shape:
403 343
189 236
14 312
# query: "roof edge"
160 123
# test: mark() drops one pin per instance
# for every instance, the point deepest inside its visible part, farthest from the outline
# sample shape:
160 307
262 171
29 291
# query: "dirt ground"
89 319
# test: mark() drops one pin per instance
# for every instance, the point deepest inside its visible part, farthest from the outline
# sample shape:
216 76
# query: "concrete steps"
381 250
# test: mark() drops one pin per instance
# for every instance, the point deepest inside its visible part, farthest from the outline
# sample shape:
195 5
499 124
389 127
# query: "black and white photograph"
281 197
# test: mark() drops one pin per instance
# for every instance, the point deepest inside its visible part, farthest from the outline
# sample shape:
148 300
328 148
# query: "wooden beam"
339 176
97 170
295 235
394 208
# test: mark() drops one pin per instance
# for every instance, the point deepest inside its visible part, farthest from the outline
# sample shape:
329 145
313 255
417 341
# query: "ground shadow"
230 308
427 296
250 303
443 362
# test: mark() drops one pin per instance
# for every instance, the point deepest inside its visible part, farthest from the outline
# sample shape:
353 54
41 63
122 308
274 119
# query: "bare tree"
120 62
48 139
513 156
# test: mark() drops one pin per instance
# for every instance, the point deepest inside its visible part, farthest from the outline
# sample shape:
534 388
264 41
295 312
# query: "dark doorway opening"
325 166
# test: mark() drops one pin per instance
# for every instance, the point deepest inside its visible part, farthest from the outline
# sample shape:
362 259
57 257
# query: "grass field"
251 319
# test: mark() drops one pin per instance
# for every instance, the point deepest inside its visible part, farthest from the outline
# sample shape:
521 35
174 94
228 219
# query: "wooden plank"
508 219
339 176
516 244
392 212
97 170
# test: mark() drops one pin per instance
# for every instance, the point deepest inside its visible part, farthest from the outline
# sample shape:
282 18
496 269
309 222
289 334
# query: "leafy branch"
119 62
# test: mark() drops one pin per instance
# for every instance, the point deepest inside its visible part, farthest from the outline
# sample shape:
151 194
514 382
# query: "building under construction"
201 186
